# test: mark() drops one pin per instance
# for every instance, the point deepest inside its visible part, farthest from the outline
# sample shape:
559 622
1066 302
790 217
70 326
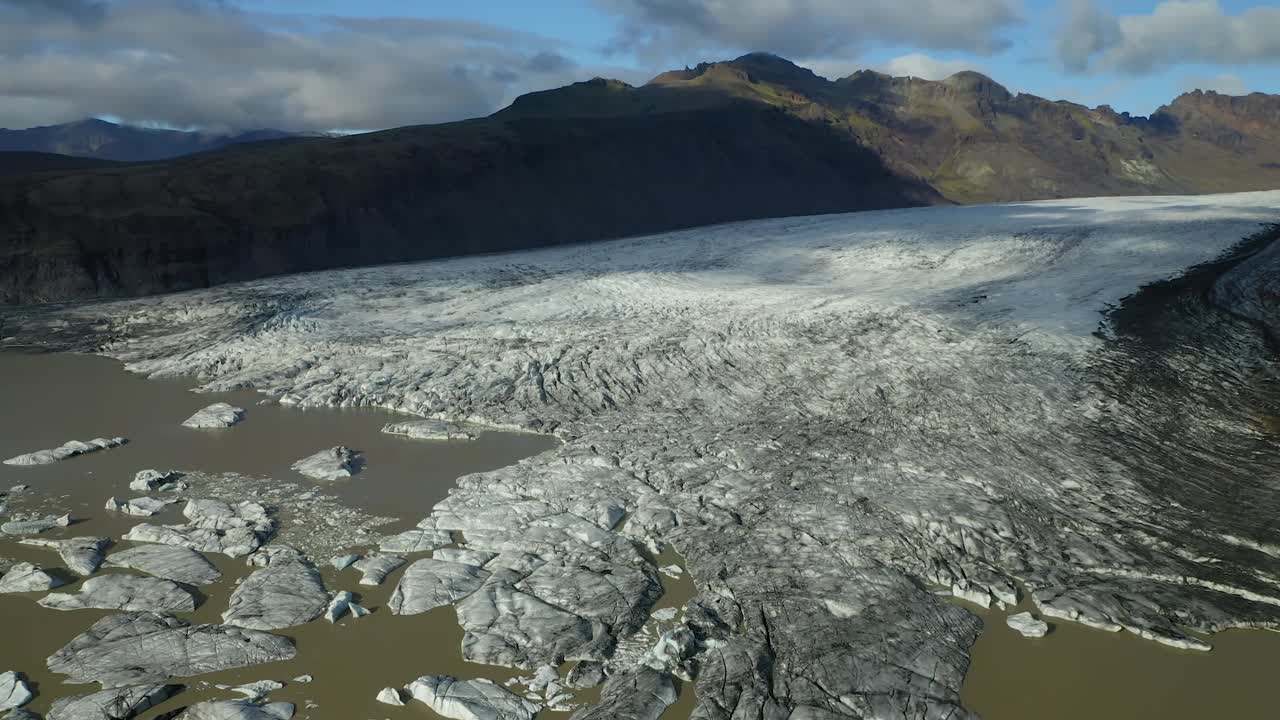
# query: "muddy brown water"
46 400
1077 672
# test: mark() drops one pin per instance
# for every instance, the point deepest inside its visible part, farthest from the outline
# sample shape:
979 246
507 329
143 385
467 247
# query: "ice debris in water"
171 562
375 568
342 562
68 449
333 464
25 577
155 480
217 415
429 430
285 593
124 592
35 525
141 647
470 699
82 555
138 507
14 692
1028 625
113 703
239 710
235 530
344 602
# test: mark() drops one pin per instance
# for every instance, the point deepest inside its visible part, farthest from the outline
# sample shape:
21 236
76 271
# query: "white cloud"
1086 31
1225 83
809 28
1176 31
209 64
926 67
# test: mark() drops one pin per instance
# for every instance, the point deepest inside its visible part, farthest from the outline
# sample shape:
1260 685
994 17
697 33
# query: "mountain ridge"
104 140
968 135
748 138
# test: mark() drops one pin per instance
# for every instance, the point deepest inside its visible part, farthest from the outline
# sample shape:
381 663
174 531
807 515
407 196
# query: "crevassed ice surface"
831 418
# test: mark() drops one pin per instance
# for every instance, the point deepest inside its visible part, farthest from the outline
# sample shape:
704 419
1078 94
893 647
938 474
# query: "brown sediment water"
46 400
676 593
1080 672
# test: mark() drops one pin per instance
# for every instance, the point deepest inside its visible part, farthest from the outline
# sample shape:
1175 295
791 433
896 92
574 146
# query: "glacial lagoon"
827 416
1073 672
50 398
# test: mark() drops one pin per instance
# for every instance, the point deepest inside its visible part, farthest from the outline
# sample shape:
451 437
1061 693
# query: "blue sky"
322 64
1028 64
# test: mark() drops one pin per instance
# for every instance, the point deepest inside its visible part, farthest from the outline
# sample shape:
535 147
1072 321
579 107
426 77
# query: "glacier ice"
69 449
333 464
142 647
831 418
217 415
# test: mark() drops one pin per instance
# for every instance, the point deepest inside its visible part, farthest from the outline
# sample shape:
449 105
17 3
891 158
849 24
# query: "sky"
224 65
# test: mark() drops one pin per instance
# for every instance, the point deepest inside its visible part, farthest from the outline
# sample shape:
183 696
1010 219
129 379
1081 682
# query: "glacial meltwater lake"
51 398
1074 672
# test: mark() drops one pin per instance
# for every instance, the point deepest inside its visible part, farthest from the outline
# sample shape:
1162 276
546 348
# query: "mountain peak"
973 82
92 122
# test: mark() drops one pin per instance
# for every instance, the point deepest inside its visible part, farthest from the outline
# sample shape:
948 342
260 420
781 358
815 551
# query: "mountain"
93 138
750 138
969 137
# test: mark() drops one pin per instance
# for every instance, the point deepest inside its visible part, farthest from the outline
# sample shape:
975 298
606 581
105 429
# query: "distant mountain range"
102 140
754 137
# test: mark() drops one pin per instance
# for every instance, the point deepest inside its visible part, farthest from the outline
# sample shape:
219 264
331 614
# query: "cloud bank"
211 65
1175 32
809 28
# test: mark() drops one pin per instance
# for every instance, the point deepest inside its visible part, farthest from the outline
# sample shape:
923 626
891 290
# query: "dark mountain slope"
971 138
754 137
423 192
26 163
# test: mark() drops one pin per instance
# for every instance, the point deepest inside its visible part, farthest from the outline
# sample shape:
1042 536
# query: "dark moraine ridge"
1196 358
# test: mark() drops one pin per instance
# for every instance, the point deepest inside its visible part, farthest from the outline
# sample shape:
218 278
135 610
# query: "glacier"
835 420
